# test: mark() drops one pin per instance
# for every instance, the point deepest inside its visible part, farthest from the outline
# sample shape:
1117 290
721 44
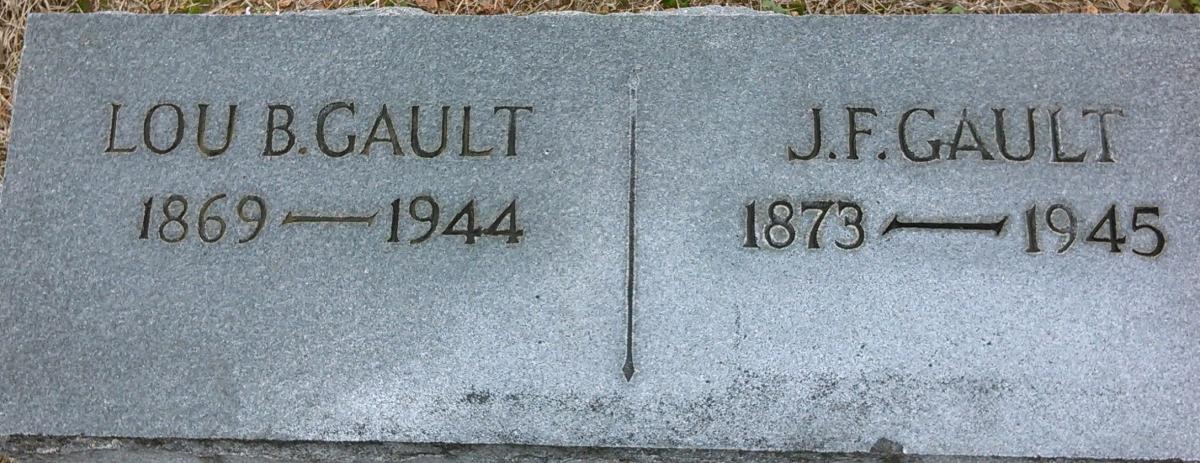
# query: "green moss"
795 7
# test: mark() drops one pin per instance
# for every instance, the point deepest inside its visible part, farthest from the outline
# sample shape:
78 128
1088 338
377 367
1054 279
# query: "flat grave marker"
969 235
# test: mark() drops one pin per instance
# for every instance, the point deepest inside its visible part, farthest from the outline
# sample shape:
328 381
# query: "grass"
14 12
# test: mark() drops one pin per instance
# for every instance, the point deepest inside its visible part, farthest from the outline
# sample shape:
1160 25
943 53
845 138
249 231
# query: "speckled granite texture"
947 339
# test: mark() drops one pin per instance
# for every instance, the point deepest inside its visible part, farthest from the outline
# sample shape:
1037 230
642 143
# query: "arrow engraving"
994 227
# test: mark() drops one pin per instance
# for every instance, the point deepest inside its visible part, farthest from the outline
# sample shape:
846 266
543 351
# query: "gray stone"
932 340
28 449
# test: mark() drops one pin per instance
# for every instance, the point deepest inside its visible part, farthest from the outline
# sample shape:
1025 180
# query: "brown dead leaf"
284 3
1123 4
1091 9
427 5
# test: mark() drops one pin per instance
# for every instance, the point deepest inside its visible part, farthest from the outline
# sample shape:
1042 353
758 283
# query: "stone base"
38 449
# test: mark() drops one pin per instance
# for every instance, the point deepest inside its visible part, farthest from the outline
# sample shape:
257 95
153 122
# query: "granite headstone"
968 235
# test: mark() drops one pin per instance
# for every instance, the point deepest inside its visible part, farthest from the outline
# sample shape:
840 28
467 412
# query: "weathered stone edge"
712 10
30 449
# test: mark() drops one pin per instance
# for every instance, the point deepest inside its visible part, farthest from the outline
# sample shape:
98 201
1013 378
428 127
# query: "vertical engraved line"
628 369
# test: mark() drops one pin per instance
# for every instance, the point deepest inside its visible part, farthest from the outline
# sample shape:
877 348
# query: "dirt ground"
14 12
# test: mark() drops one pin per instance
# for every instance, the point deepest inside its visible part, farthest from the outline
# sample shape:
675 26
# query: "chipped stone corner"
889 451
